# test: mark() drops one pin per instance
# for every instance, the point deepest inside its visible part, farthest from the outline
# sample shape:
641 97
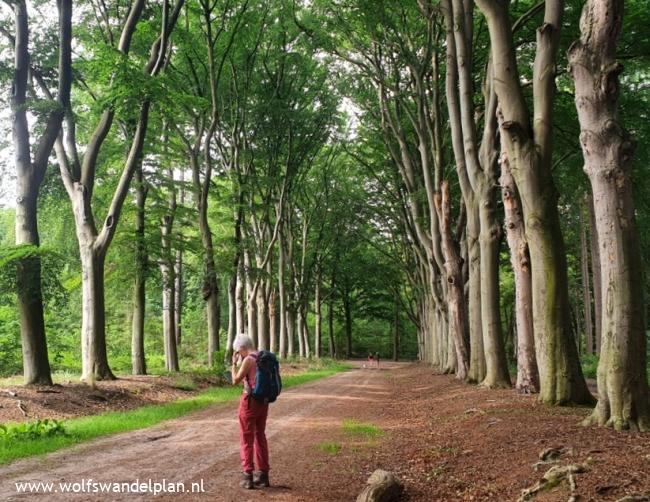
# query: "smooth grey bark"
138 360
319 317
282 294
30 172
595 271
79 178
529 149
330 321
586 285
623 393
273 321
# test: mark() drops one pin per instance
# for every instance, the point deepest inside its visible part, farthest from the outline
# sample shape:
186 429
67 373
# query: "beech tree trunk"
282 293
529 151
527 373
595 272
29 177
330 323
273 322
262 318
456 288
232 315
178 302
623 394
138 361
347 308
93 322
319 318
586 286
169 288
396 327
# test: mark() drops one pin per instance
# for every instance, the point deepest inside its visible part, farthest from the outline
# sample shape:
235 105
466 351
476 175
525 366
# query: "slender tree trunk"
291 330
138 362
262 318
586 286
595 271
348 324
527 373
477 369
623 394
178 302
283 297
168 289
240 303
330 323
319 319
232 315
396 332
304 331
273 321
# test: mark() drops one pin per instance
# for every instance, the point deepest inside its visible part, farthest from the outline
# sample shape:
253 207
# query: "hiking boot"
262 479
247 481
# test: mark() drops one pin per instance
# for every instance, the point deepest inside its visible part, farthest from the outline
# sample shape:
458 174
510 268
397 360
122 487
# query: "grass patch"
360 428
79 430
331 448
184 382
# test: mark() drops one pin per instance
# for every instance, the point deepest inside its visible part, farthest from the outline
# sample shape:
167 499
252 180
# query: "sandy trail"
203 447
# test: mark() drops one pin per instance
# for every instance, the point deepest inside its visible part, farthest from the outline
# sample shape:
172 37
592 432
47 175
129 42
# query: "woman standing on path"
252 415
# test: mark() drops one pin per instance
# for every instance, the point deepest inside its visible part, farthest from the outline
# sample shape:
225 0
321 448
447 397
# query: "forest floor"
69 398
446 441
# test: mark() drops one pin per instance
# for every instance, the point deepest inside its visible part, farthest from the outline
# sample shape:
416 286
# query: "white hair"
243 341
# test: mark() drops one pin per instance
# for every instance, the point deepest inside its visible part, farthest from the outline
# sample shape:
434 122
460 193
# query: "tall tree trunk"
586 285
262 318
240 302
396 328
138 361
273 321
291 330
29 177
319 318
623 394
595 271
455 286
527 373
178 302
251 305
283 297
232 315
529 151
168 289
347 308
330 323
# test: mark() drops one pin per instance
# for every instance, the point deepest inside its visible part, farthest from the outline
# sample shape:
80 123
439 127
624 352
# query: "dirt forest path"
446 440
203 447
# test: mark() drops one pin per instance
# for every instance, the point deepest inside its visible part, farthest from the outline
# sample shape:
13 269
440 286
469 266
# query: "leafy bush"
32 430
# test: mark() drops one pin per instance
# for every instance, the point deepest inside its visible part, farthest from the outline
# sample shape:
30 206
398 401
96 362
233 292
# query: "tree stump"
383 486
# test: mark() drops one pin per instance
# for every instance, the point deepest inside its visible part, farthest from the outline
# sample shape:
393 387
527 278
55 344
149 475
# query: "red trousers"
252 434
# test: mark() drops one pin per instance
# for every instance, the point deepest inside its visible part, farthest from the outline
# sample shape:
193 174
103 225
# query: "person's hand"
235 358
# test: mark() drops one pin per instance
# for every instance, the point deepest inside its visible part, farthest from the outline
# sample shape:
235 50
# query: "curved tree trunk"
623 394
529 150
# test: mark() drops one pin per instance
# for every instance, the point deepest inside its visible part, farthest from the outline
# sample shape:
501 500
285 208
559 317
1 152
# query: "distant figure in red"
252 416
371 360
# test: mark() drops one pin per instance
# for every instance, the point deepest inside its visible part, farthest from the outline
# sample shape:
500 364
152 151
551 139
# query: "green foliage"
38 429
329 447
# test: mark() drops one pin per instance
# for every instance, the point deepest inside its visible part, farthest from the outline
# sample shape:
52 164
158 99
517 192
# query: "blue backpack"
268 383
